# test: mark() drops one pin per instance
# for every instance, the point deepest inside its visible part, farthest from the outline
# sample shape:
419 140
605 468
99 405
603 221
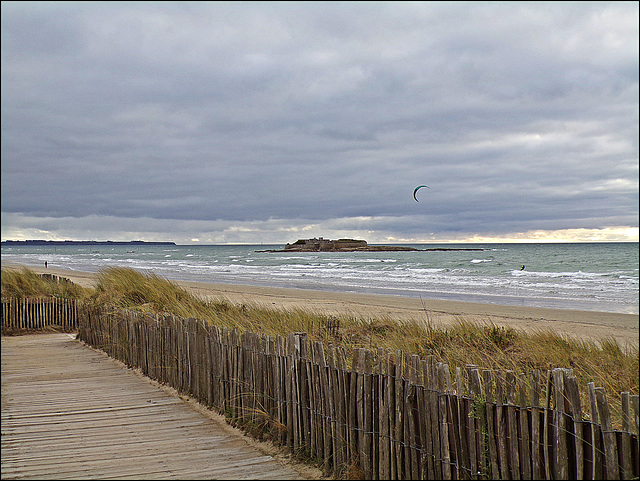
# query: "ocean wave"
585 278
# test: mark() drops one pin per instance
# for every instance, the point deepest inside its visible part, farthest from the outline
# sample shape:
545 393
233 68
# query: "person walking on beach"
45 264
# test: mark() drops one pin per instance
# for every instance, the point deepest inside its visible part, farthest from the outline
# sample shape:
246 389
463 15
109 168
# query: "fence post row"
388 416
33 314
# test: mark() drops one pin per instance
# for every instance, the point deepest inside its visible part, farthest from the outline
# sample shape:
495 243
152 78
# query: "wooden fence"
33 314
56 279
377 414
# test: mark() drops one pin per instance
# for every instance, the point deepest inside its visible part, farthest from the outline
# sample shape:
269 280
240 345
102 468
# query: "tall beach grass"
486 345
26 283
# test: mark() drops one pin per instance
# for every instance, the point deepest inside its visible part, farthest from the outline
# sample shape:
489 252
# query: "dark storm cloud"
520 116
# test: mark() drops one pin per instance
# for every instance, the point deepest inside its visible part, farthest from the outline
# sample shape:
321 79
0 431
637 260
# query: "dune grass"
26 283
488 346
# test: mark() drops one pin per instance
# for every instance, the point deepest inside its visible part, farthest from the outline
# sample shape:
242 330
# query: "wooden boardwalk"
71 412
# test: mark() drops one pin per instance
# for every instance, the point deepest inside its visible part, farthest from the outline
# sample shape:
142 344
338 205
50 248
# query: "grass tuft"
24 283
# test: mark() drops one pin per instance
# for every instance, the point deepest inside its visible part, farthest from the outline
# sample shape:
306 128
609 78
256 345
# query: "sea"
583 276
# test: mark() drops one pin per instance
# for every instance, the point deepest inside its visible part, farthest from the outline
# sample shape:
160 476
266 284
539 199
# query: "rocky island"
321 244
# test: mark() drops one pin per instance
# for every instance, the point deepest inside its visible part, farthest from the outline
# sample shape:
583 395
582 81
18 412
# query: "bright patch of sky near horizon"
242 122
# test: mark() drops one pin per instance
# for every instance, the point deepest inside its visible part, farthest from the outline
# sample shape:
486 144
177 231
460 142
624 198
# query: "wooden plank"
367 416
523 427
316 401
537 459
625 453
597 458
352 418
512 426
458 427
363 411
493 468
262 375
406 431
375 413
324 398
408 401
398 434
635 403
547 434
635 407
501 427
573 396
311 398
343 392
334 393
414 418
559 426
360 409
193 445
608 436
390 399
299 391
279 387
443 410
383 416
475 393
425 425
435 417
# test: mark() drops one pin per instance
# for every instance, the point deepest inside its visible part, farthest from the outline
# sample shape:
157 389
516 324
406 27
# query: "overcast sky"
249 122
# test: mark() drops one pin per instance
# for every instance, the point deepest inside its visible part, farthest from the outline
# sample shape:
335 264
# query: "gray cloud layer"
520 117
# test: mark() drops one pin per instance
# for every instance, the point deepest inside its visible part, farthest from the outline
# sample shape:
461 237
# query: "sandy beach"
586 325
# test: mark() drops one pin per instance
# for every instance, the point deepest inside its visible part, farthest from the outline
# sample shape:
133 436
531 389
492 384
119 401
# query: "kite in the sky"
415 191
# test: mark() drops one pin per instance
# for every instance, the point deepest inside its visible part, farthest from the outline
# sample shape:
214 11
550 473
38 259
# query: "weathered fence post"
608 436
536 456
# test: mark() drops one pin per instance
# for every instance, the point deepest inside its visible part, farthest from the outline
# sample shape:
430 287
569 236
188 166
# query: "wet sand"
585 325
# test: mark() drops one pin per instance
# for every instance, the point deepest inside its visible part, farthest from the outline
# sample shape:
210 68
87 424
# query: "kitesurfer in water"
522 268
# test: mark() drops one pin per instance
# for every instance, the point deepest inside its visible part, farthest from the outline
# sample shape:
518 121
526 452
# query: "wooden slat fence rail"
32 314
377 414
56 279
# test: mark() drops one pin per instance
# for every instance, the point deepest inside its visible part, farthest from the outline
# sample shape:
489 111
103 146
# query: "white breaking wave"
591 277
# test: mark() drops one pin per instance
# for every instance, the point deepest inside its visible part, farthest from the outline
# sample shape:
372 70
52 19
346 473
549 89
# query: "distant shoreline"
84 243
